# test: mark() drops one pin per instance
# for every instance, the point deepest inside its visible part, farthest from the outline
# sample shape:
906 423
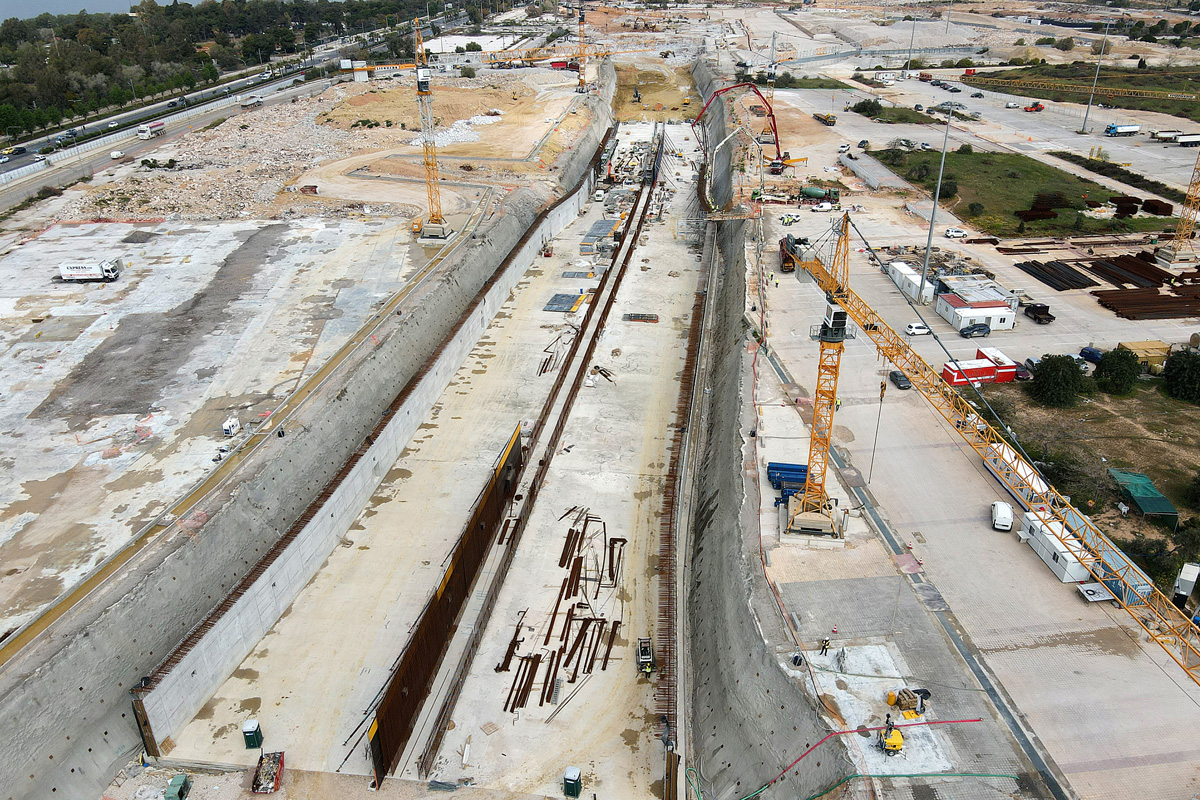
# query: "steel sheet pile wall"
748 719
409 684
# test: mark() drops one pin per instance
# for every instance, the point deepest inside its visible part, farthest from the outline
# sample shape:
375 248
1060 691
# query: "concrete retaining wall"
65 705
748 719
182 692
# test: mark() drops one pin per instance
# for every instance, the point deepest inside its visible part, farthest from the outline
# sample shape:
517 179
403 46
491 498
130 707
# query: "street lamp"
937 191
1096 77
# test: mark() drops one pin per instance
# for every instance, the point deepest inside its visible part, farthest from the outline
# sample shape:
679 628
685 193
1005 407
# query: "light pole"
912 36
1096 77
937 191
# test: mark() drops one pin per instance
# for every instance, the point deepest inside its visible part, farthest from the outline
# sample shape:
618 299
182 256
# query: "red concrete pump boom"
766 104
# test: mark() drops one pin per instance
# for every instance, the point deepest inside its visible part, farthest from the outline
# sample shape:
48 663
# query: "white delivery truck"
151 129
90 271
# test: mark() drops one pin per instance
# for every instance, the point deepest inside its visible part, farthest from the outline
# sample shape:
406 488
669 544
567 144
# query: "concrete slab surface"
115 392
613 462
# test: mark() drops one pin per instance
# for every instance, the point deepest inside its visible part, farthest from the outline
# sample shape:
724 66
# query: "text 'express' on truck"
151 129
93 271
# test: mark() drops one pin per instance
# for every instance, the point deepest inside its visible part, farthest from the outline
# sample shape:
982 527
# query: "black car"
19 151
977 94
972 331
954 90
1091 354
900 379
864 144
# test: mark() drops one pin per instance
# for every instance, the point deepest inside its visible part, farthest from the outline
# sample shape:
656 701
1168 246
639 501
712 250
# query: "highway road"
69 170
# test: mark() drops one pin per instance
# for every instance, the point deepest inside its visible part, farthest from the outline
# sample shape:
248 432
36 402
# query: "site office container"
978 370
1006 368
1061 555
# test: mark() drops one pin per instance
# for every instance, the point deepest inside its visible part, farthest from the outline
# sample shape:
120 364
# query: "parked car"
1002 516
926 147
955 233
1023 374
954 90
1079 361
974 331
864 144
918 107
1031 364
1091 354
822 207
900 379
843 148
917 329
1012 104
977 94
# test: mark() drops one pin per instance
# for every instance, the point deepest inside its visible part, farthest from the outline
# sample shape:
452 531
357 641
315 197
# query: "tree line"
70 65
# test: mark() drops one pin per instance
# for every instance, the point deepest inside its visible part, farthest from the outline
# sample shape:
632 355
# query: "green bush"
1182 376
1066 45
1117 372
975 209
949 188
1057 382
1045 41
868 108
965 149
467 72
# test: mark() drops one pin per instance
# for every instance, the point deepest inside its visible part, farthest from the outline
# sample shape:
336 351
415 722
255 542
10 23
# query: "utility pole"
911 37
1096 77
937 191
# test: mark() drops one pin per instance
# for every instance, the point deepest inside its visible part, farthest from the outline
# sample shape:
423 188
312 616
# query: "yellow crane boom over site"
1153 611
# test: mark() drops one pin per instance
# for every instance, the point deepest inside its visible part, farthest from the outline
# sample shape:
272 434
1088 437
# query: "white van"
1002 516
1012 104
598 196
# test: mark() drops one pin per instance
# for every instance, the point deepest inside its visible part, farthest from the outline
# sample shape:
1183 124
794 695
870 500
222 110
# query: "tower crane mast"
435 224
813 512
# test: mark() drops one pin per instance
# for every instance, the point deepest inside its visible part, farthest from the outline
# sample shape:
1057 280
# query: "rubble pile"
235 170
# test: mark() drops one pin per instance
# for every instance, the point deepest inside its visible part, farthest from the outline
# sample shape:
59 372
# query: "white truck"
90 271
151 129
250 101
1189 140
1113 129
1165 136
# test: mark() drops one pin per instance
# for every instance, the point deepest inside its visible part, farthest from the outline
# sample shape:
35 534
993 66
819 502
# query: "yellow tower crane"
434 226
813 513
1181 251
582 57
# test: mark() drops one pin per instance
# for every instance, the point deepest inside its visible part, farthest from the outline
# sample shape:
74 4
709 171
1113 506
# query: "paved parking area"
1106 706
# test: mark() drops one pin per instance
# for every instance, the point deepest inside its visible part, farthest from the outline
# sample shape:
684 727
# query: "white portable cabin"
231 426
1060 556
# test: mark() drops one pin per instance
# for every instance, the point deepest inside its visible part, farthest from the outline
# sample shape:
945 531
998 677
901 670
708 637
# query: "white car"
926 147
822 207
3 159
1002 516
955 233
917 329
113 124
1012 104
844 148
116 154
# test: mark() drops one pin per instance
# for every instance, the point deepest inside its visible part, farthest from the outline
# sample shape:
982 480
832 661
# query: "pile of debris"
235 170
